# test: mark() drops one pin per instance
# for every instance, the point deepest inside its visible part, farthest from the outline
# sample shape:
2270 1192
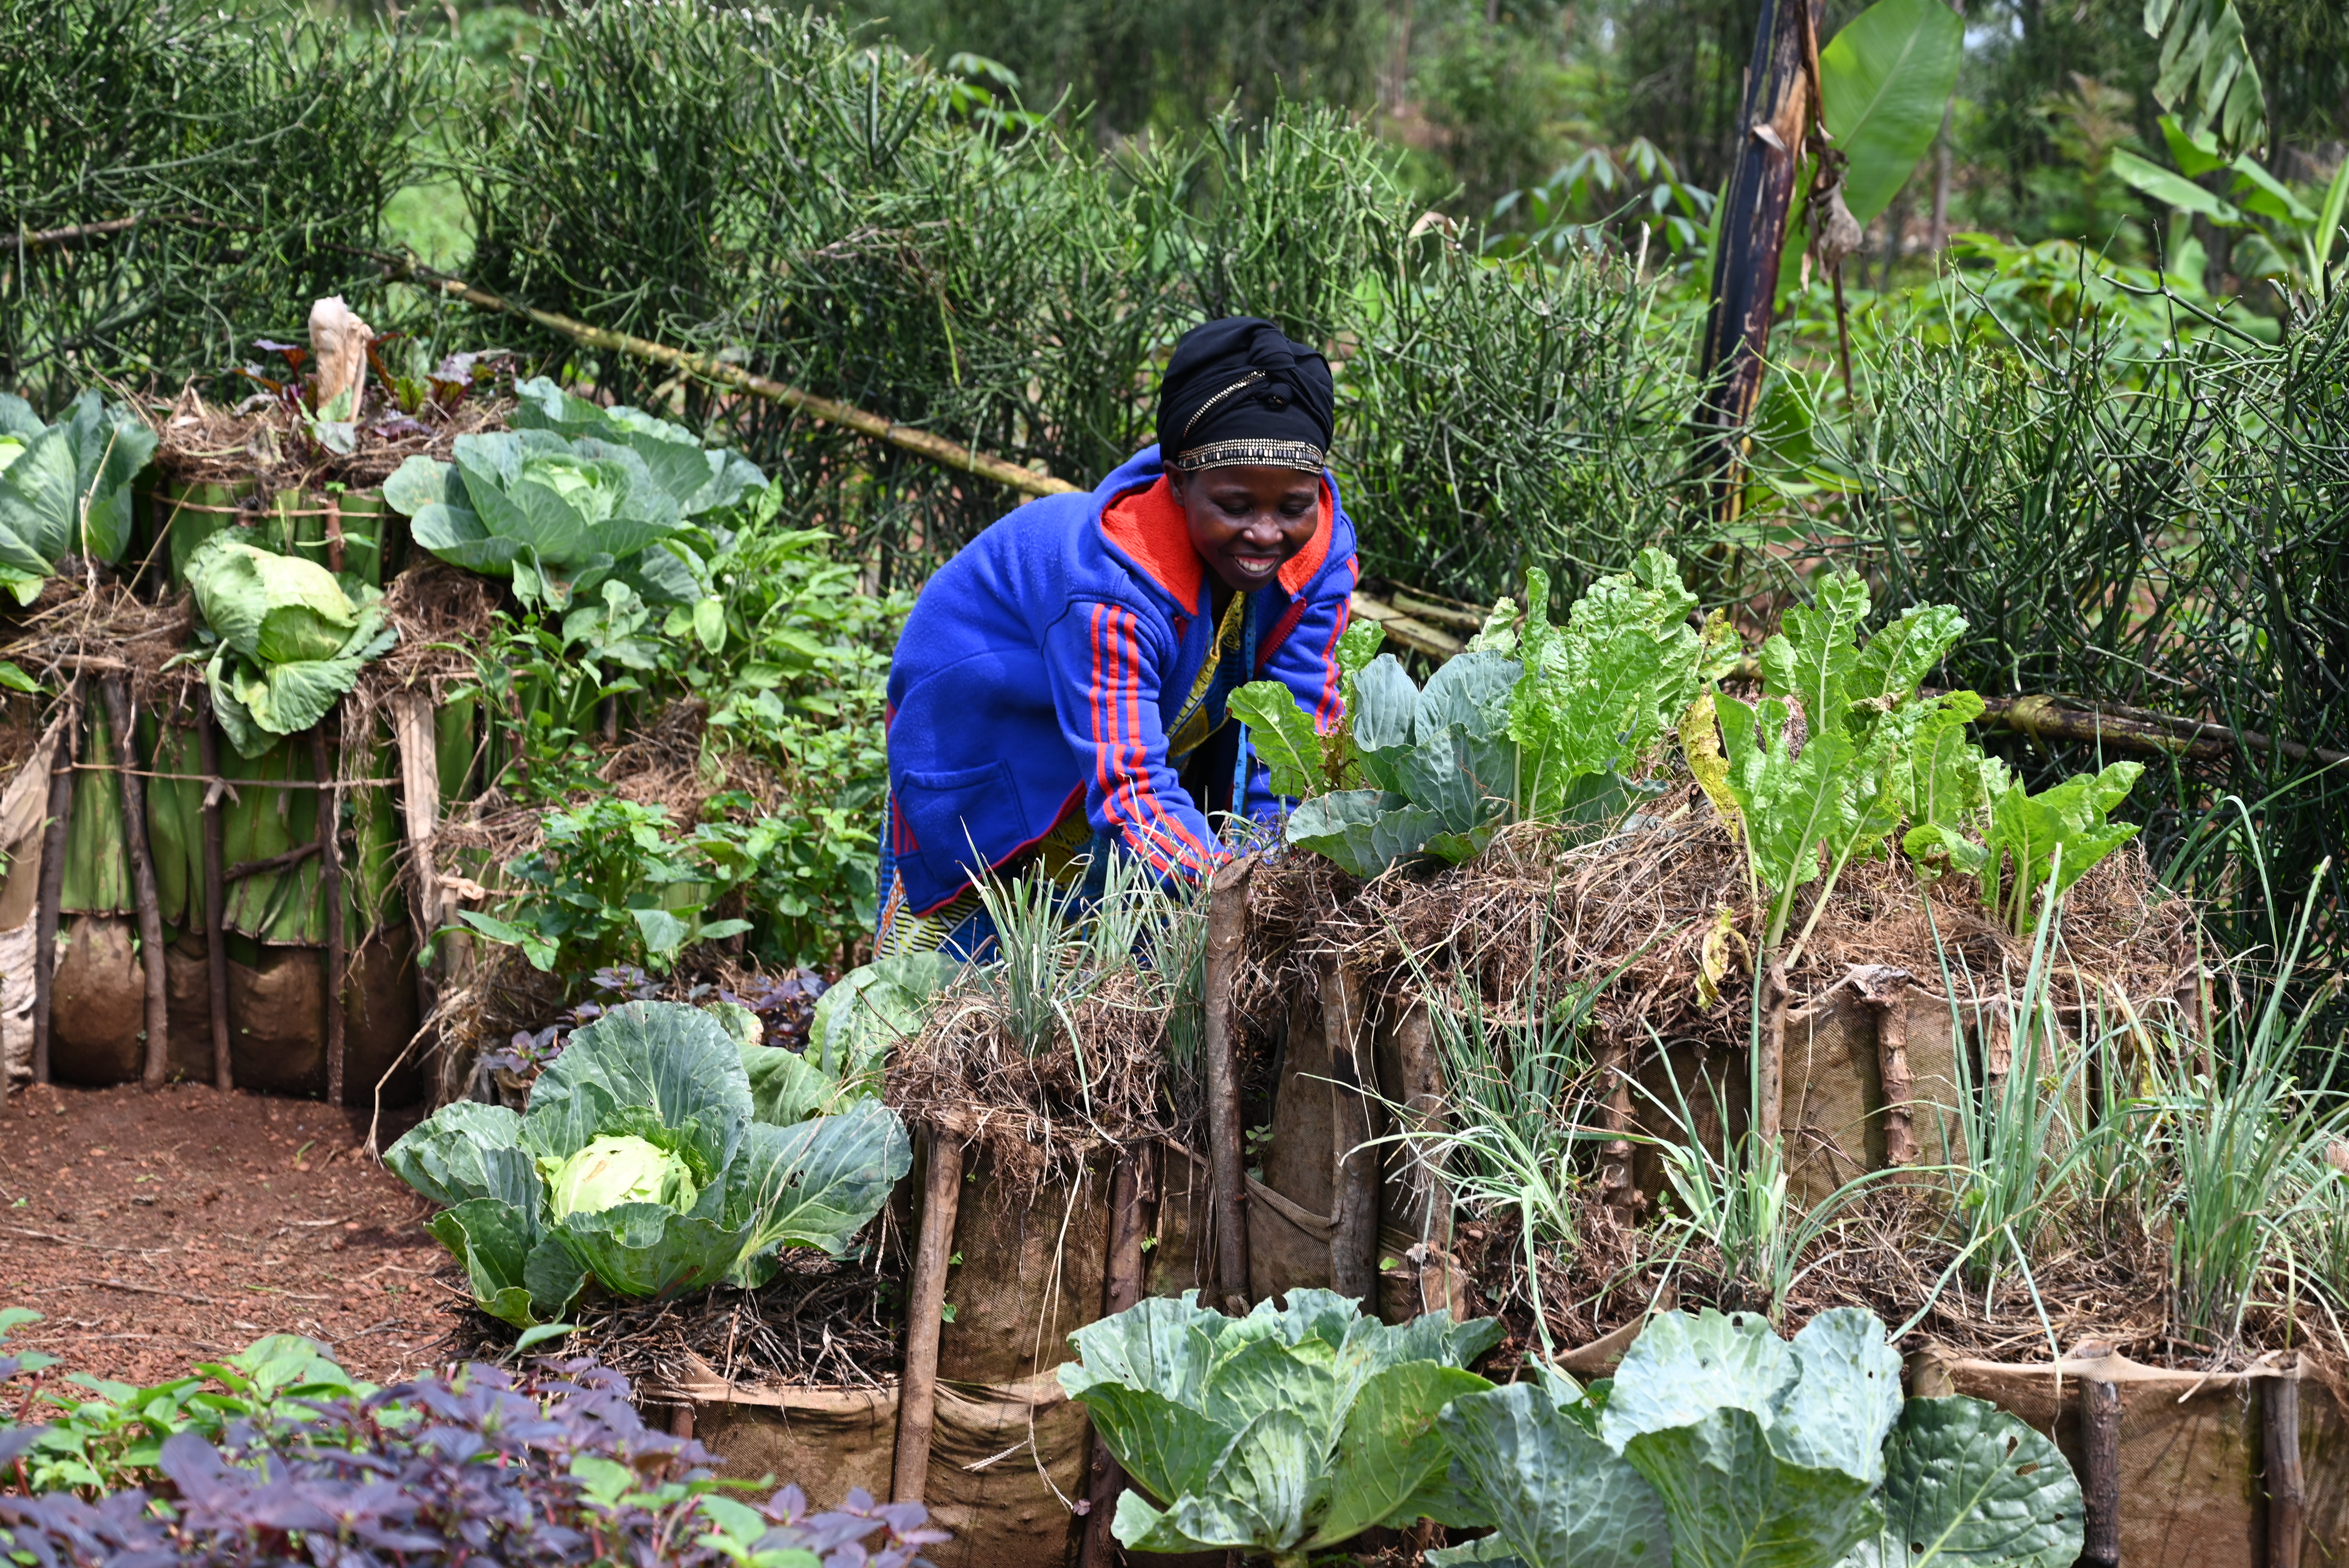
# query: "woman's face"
1246 522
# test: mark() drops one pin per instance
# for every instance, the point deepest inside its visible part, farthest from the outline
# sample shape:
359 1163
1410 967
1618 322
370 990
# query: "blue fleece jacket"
1043 668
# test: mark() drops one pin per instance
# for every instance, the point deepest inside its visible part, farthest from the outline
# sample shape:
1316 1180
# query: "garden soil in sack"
277 1020
97 1004
2191 1447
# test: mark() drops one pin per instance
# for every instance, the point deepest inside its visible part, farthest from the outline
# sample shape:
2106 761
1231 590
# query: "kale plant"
659 1154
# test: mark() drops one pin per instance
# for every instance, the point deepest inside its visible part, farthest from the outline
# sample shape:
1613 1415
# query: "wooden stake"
1226 935
1615 1185
143 898
215 892
1886 991
51 891
2100 1479
1132 1188
420 794
918 1393
2287 1483
1770 1078
681 1419
1354 1176
1422 1092
330 891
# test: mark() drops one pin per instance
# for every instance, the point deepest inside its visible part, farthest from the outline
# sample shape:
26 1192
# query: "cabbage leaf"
288 641
64 488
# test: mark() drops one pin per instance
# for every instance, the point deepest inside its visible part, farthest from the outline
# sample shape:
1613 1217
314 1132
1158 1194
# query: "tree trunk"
926 1301
1755 209
1132 1195
1354 1123
2287 1482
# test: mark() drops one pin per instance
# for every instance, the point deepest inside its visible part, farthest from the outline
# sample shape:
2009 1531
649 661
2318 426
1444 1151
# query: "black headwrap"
1237 391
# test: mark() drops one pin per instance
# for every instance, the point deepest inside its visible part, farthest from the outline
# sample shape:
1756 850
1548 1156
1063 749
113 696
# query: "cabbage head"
289 641
573 496
620 1168
643 1164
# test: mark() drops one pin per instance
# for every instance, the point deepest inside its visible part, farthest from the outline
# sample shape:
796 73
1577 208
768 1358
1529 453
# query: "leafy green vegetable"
64 488
1805 811
2052 838
1737 1448
639 1165
574 497
1538 721
1284 1432
289 641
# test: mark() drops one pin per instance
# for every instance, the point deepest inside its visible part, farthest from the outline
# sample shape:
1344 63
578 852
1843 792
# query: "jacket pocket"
951 811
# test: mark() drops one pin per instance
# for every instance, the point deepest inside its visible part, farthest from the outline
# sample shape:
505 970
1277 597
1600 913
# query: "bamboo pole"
330 892
1133 1193
921 443
2287 1482
1227 932
51 889
144 901
925 1292
2100 1478
215 894
1354 1178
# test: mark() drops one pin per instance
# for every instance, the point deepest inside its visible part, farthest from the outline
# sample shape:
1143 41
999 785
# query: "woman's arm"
1105 661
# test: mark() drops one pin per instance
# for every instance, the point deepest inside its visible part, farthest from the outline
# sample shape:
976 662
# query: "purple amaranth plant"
487 1467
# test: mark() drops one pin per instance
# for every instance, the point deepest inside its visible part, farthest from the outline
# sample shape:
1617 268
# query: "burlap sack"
2191 1493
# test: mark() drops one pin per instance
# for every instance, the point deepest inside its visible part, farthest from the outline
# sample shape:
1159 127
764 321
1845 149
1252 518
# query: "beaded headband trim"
1298 455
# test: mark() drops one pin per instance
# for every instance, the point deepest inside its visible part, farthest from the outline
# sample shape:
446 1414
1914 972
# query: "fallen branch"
921 443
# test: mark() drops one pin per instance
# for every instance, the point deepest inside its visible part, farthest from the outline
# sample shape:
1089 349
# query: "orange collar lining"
1148 525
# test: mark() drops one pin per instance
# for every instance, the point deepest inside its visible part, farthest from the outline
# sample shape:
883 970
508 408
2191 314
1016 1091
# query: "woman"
1059 692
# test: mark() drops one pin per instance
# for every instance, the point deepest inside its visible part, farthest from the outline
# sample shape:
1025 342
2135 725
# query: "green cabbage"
643 1164
1285 1432
575 495
288 641
619 1169
1718 1443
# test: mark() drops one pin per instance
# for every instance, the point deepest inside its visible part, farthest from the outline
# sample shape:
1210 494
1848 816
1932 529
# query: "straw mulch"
1042 1115
80 626
261 442
821 1322
1643 902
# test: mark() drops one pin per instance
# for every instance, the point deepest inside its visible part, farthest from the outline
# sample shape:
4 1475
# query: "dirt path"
154 1230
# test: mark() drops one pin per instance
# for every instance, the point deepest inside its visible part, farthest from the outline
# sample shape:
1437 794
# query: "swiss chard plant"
574 496
646 1164
286 641
64 488
1536 722
1718 1444
1281 1433
2031 848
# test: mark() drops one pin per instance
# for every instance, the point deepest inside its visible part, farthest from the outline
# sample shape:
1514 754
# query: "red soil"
154 1230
